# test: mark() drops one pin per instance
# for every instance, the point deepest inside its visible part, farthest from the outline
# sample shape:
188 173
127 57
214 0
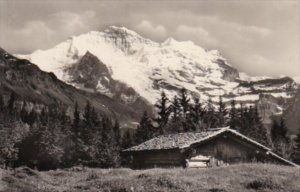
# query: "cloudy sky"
259 37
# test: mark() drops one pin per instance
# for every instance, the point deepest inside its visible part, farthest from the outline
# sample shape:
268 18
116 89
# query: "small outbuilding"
215 147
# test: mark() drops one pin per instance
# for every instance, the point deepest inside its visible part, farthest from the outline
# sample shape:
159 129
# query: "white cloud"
31 34
69 22
195 30
44 33
35 27
255 64
148 28
261 31
198 33
260 61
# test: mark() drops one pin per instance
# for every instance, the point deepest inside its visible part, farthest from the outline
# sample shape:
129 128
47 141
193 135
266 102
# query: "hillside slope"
237 178
30 83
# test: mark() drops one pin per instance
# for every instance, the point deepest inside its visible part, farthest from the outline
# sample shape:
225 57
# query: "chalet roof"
185 140
177 140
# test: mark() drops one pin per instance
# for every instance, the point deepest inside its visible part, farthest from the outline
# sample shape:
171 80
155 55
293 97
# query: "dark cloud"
258 37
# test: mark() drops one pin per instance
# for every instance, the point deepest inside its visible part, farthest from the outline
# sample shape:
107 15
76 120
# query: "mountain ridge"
149 67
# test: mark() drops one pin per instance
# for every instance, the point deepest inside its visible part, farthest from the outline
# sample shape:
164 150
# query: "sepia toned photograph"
149 96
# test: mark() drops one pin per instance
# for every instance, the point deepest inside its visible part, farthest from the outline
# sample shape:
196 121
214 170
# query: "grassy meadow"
234 178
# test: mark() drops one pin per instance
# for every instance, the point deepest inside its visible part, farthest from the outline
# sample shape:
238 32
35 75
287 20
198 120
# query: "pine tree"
144 130
88 124
233 116
75 153
210 118
278 131
117 135
50 150
87 113
94 117
43 117
275 131
185 106
110 153
127 140
32 116
281 143
184 102
76 120
244 125
63 117
163 112
259 132
196 115
283 128
222 113
175 123
67 143
90 136
251 125
11 102
175 109
296 149
1 103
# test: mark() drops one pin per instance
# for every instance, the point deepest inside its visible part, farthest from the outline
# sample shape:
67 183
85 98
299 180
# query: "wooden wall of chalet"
232 149
157 158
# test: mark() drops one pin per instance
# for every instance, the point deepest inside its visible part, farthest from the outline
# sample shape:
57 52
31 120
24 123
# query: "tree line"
49 138
184 113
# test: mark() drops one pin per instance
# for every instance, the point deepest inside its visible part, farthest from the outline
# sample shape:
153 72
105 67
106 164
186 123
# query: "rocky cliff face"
92 75
292 114
121 64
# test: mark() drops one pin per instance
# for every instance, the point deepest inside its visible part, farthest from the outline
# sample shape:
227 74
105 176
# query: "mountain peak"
169 41
120 30
88 54
173 42
297 79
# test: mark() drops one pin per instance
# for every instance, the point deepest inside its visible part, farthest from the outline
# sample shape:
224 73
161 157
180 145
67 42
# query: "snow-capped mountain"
297 79
119 62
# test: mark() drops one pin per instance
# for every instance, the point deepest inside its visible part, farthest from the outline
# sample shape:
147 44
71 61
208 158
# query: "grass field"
235 178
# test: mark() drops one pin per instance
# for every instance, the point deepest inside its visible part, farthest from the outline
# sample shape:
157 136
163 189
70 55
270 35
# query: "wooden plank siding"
230 149
157 158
